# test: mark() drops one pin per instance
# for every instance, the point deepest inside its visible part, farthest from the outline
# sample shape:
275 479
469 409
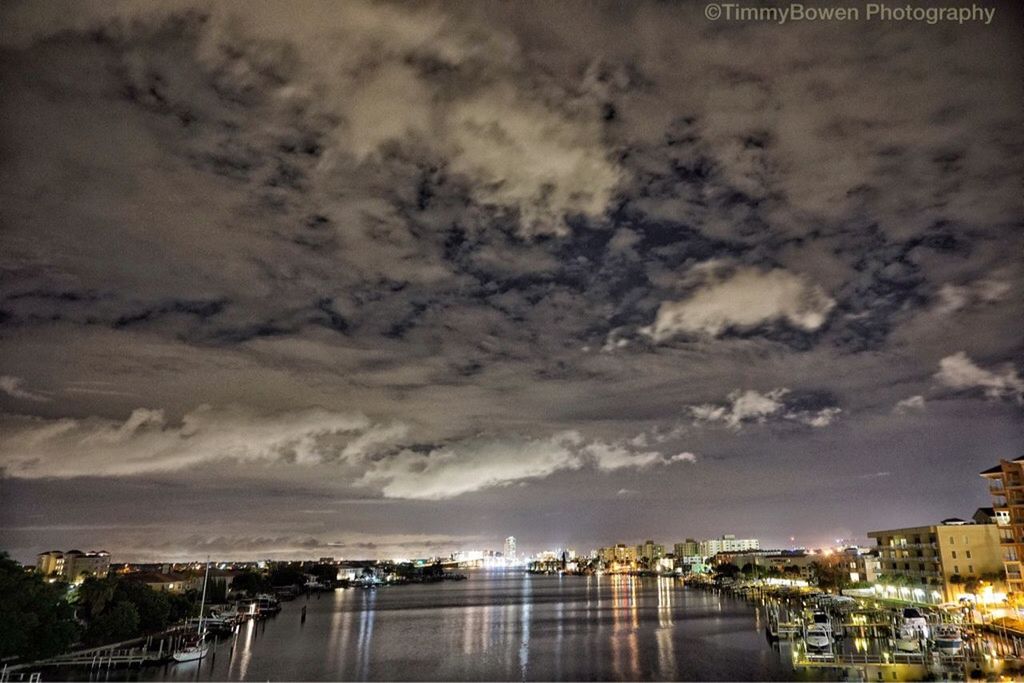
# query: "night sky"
361 280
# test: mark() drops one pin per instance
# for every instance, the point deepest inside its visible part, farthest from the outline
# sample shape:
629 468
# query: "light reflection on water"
499 626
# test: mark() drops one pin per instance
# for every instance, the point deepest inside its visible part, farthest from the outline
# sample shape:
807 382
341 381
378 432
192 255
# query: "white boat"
191 652
908 639
948 639
912 617
818 637
821 619
195 648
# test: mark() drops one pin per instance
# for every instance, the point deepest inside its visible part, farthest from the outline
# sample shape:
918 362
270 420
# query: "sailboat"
195 648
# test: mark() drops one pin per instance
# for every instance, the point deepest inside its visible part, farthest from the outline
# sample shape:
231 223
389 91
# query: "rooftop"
999 468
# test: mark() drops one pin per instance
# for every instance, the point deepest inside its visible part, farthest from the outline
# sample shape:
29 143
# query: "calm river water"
499 626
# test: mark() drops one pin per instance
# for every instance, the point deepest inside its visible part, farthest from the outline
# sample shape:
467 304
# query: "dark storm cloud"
436 252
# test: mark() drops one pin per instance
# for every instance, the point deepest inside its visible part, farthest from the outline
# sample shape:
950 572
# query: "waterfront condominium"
728 543
942 559
73 565
1006 484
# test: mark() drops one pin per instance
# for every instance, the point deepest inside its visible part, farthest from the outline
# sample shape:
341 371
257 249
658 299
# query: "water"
499 626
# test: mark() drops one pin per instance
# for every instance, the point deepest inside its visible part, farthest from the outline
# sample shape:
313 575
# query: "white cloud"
146 442
752 406
960 372
745 299
474 465
821 418
953 298
12 386
875 475
910 404
526 155
363 453
523 142
743 406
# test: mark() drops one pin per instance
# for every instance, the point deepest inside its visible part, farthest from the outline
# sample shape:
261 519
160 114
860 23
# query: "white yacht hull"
908 645
190 654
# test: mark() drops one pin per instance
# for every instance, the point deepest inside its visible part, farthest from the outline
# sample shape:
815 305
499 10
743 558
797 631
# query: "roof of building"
157 577
999 468
991 512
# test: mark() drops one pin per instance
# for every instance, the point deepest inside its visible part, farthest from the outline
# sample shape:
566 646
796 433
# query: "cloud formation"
744 299
751 406
363 453
478 464
960 372
13 387
146 442
431 243
910 404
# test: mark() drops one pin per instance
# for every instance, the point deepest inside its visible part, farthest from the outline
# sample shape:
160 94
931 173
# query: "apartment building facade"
1006 486
940 559
73 565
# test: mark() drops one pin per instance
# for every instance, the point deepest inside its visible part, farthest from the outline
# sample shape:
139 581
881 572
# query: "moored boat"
908 639
190 651
913 618
948 639
817 637
195 648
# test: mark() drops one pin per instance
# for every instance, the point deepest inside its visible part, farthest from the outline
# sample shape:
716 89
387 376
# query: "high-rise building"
621 555
728 543
510 549
688 548
1006 485
650 550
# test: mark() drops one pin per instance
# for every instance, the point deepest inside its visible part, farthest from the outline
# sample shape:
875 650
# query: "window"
970 569
954 554
956 569
968 554
952 541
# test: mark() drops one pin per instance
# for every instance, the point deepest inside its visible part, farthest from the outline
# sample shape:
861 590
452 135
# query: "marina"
504 624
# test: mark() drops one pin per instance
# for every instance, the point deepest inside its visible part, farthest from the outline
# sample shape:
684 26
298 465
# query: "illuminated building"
940 559
651 551
510 549
620 555
727 544
1006 485
688 548
73 565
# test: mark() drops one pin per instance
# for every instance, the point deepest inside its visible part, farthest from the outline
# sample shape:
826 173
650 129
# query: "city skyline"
371 280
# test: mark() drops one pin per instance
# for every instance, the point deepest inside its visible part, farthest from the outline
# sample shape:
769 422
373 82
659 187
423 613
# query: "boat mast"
202 603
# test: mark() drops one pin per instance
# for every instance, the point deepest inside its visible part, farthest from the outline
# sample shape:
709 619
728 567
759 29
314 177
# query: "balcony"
997 489
914 546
